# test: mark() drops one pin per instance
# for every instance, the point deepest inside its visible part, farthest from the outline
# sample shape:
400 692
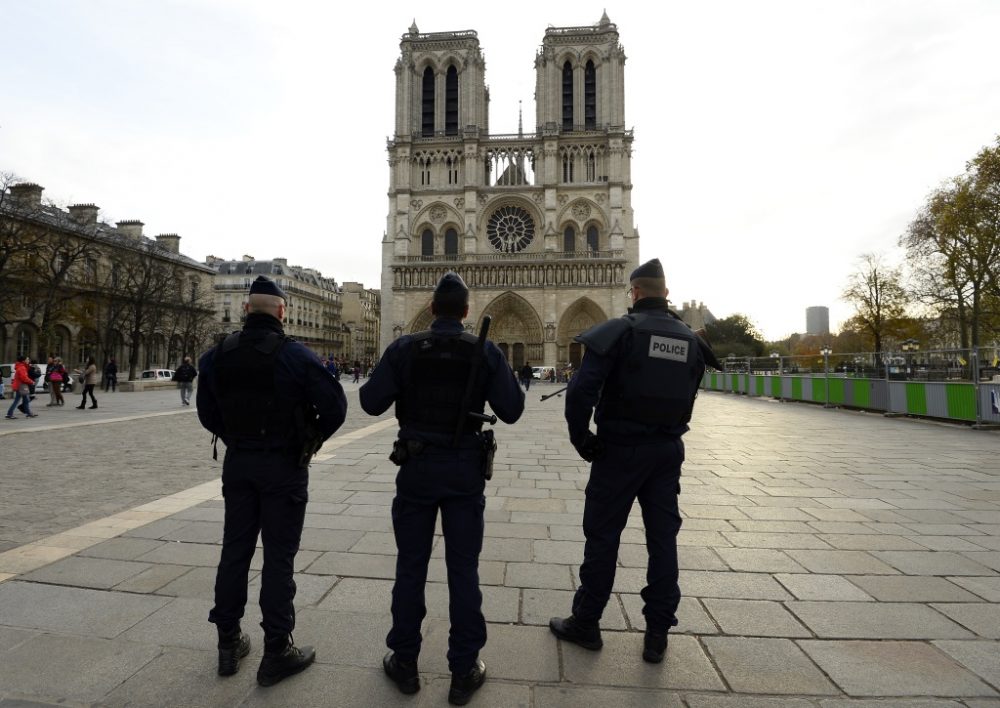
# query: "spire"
520 121
604 19
413 27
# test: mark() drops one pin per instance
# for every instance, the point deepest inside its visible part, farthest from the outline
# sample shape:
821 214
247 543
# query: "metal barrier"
874 388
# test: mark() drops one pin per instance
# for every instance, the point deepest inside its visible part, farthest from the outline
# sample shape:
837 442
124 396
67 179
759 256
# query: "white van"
6 374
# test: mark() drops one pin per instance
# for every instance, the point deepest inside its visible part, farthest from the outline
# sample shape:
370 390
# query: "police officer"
272 403
642 372
426 375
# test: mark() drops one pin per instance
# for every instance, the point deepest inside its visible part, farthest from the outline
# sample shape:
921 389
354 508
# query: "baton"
554 393
470 382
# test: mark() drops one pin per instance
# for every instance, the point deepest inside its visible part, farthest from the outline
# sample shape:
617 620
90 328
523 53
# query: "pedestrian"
272 403
20 384
526 374
331 366
357 371
89 376
49 365
184 376
57 377
641 372
111 375
442 458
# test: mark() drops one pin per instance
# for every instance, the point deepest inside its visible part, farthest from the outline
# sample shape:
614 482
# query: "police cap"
649 269
451 289
266 286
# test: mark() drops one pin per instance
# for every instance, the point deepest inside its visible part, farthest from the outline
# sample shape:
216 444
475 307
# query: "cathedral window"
567 167
451 102
427 104
591 166
427 244
592 239
567 96
590 96
569 240
451 242
510 229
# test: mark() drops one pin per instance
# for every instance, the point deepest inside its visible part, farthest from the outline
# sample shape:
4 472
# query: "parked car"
541 372
6 374
41 385
157 375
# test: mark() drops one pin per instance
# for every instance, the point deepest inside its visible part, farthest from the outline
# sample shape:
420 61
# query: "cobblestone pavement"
829 558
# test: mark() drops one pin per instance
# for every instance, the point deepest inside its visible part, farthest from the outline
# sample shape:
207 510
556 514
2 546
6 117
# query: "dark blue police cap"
649 269
266 286
451 288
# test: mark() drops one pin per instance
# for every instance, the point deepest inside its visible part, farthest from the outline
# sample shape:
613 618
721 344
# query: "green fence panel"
796 389
916 399
837 391
862 393
760 385
961 401
819 390
776 386
714 376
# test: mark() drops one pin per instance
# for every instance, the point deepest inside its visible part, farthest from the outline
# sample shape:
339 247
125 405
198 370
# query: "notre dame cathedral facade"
539 224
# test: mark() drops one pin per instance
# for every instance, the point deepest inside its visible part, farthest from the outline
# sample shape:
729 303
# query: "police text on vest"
666 348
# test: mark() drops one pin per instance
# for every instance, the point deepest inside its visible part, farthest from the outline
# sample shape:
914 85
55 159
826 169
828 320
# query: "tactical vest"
658 380
438 372
252 410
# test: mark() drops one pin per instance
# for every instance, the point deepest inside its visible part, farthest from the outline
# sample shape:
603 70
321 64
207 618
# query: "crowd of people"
28 377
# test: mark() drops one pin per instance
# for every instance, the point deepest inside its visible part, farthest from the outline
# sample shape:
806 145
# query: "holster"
489 445
403 450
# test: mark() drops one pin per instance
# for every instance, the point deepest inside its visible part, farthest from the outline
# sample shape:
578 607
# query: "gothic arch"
516 328
583 314
424 216
422 321
568 55
594 214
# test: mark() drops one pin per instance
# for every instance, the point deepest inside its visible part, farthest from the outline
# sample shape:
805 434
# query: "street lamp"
826 352
908 346
777 357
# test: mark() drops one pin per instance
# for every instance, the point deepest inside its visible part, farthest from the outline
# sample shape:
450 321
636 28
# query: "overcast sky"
775 142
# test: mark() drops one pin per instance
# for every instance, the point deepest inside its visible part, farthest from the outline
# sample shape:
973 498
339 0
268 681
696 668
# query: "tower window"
592 241
569 239
451 102
427 104
590 97
451 242
567 96
567 166
427 243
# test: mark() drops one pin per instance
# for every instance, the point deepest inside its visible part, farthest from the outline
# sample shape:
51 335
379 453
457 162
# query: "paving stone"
737 586
886 668
156 529
345 638
560 697
813 586
316 539
780 541
539 575
361 595
695 558
759 560
490 572
539 606
691 616
991 559
197 532
883 703
568 552
152 579
494 694
201 687
619 664
309 589
100 573
197 582
184 623
754 618
10 638
981 618
875 620
980 657
987 588
731 701
932 563
871 542
323 683
774 666
177 553
74 610
75 668
121 548
354 565
909 588
506 549
303 559
841 562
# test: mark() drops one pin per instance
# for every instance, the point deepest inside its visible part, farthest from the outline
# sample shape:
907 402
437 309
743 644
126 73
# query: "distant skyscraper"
818 320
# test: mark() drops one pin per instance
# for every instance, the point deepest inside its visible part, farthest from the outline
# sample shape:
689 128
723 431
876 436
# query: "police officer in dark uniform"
272 403
642 372
426 375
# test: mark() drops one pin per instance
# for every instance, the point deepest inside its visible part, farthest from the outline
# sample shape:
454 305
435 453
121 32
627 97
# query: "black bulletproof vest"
252 410
658 380
438 371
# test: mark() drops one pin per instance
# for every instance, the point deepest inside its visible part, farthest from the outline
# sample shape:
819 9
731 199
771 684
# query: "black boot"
94 405
404 673
587 635
282 659
233 646
464 685
654 646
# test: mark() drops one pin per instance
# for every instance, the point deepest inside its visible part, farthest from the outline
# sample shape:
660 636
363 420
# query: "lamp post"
777 360
908 346
826 352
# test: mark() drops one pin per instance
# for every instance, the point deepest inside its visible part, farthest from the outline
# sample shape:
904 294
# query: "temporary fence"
952 384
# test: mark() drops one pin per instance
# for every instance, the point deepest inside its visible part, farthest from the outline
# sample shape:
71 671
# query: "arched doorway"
422 321
516 329
578 317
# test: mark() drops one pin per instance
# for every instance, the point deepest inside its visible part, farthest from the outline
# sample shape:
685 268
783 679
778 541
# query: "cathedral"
539 223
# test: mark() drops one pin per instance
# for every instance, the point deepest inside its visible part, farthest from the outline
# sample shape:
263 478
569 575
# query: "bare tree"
879 299
21 239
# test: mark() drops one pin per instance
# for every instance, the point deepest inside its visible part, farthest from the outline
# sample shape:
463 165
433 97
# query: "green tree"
876 292
735 335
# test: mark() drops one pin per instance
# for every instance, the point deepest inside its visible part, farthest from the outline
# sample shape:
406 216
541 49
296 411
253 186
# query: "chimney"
281 261
213 261
27 194
83 214
170 242
248 258
131 228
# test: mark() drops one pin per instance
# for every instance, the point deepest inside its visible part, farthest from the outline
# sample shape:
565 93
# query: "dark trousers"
423 487
651 474
88 388
111 381
265 492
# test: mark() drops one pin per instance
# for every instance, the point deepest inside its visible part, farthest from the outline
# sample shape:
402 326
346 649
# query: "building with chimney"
362 317
538 223
75 287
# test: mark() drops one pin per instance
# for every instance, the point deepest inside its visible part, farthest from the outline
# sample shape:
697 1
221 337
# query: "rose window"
510 229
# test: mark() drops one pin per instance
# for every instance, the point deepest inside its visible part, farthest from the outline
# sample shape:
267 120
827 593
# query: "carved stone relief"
438 214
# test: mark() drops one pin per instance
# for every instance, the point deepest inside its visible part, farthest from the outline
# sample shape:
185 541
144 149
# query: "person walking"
526 374
57 377
357 370
110 375
641 372
272 403
50 363
89 376
442 458
20 384
184 376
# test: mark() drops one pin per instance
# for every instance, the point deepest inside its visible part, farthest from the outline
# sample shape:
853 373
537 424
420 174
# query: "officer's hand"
591 448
